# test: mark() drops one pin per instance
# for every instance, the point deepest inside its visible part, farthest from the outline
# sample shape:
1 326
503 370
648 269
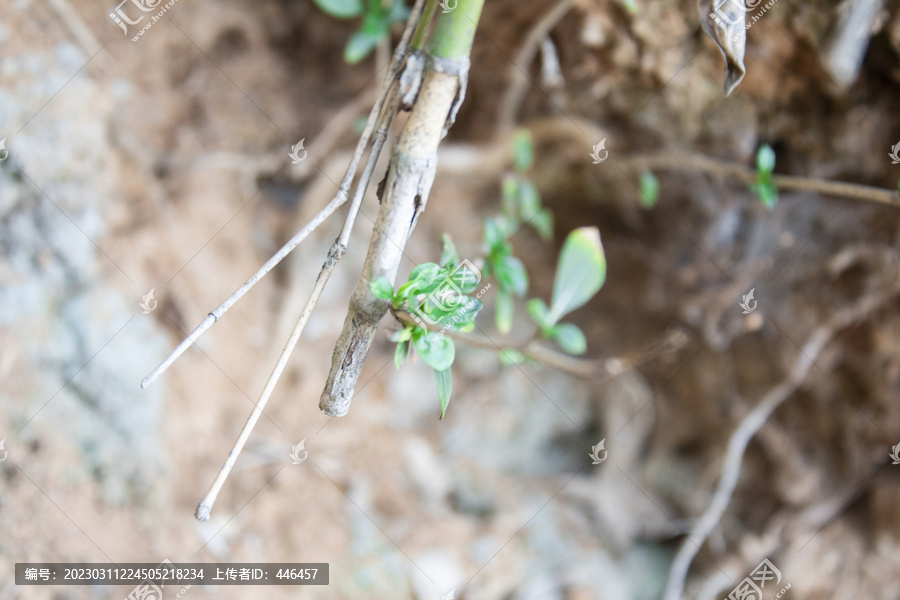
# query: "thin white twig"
336 252
205 506
757 417
220 310
338 201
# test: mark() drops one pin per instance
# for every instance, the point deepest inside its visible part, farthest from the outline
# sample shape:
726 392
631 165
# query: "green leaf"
402 335
767 192
512 276
341 9
631 6
382 288
510 188
398 13
436 350
455 313
464 277
529 199
649 190
359 46
424 274
375 21
542 222
400 353
523 150
570 338
466 314
449 256
765 159
508 356
580 274
539 312
503 315
444 381
494 235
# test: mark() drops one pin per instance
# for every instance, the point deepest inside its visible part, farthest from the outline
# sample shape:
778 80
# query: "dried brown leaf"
724 21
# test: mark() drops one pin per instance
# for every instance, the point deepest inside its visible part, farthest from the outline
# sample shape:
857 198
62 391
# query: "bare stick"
588 133
205 506
757 417
212 317
409 181
337 251
851 40
338 201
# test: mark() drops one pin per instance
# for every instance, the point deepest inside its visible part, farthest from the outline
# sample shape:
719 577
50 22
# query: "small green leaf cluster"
521 205
439 295
765 187
436 296
376 22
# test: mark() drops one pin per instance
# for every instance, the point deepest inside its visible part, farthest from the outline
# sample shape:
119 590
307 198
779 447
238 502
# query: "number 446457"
296 574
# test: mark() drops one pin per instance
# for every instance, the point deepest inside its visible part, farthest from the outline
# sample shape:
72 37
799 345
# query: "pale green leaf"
505 310
436 350
341 9
580 274
570 338
444 381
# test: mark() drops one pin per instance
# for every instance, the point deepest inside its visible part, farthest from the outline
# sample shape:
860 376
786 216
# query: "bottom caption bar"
152 575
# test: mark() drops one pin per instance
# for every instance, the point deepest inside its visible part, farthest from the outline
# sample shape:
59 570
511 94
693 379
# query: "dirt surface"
163 164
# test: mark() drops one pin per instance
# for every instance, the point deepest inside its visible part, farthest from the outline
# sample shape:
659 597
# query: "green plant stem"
418 41
407 186
454 31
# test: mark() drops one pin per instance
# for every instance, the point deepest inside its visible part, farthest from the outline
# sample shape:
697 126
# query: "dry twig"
519 79
748 427
405 194
596 368
383 112
587 133
339 200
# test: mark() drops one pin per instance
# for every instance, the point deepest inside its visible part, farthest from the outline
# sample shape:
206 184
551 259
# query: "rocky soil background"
162 164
